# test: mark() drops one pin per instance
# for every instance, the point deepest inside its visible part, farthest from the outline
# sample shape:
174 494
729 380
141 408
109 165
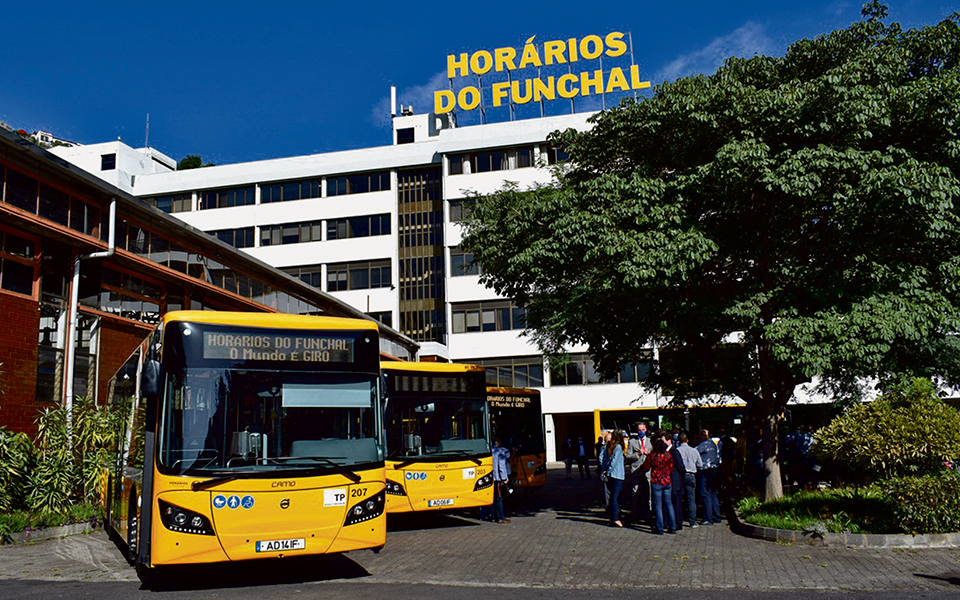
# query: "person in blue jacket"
612 474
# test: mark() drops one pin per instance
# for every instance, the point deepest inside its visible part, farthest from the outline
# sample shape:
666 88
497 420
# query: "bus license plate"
440 502
281 545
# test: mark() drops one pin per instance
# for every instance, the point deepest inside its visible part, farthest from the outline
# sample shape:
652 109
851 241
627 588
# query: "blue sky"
239 81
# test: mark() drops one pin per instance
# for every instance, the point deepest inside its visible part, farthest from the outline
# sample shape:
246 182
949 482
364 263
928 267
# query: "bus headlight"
182 520
540 470
395 489
365 510
484 482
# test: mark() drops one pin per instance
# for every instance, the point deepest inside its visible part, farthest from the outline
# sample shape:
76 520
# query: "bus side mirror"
150 379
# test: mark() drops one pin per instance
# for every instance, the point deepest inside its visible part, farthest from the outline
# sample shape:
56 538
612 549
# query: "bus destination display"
510 401
296 347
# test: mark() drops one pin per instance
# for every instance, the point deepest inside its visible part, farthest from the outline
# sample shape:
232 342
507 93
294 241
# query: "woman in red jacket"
660 465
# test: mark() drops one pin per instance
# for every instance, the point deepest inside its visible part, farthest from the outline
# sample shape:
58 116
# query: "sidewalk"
562 539
559 539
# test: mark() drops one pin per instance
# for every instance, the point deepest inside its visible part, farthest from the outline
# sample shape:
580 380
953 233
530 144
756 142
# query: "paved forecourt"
558 539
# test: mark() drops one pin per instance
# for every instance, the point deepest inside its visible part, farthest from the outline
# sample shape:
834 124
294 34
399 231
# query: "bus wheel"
148 576
132 524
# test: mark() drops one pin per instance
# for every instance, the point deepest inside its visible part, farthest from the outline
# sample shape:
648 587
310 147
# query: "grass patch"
854 510
17 521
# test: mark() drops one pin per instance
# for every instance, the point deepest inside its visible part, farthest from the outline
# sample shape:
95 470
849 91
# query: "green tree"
192 161
802 210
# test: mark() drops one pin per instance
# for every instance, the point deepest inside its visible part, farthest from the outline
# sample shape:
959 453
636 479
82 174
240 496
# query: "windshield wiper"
351 475
199 486
469 455
410 461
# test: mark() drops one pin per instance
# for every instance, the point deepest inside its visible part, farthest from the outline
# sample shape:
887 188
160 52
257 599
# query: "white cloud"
420 97
745 42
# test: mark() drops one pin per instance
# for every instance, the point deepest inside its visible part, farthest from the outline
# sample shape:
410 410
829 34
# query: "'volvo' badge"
285 503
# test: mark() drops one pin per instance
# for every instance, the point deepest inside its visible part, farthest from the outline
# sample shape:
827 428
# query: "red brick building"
74 310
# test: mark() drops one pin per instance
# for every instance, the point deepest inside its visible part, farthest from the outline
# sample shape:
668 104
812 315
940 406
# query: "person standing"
709 478
638 448
612 474
660 465
692 463
501 474
676 477
583 459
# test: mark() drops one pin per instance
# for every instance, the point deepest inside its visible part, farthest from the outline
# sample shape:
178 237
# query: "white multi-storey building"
378 228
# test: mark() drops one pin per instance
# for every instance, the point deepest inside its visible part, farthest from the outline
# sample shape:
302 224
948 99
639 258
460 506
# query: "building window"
553 155
579 370
405 136
17 264
21 191
238 238
385 317
338 229
520 371
491 160
460 210
108 162
242 196
289 190
421 254
496 315
175 203
358 184
290 233
358 276
462 263
309 274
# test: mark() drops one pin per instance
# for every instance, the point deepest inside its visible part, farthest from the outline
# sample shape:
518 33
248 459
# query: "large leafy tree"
802 211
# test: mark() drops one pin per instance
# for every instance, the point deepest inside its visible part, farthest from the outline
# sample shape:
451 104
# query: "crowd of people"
665 474
669 480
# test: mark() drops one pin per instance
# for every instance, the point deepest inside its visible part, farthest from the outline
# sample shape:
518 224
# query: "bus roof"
512 391
267 320
430 367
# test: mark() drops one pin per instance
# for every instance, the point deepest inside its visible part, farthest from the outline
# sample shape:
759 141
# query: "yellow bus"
437 437
517 420
259 437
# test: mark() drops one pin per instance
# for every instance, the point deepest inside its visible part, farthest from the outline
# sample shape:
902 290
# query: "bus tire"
148 576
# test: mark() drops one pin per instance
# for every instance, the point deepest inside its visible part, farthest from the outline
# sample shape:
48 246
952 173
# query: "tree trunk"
773 484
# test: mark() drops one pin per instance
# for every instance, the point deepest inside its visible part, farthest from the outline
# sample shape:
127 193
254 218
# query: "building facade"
87 270
378 228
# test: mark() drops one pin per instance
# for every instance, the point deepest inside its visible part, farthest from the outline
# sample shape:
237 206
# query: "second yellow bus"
437 437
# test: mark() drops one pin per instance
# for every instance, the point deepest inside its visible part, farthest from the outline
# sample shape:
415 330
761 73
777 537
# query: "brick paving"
559 539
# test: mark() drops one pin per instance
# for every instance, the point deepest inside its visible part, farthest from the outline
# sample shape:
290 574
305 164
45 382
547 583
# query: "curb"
843 540
35 535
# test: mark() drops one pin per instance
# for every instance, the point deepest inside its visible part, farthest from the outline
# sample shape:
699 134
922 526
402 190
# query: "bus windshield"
217 420
517 421
436 427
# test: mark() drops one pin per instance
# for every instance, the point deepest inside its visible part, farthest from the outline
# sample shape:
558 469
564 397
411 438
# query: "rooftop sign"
537 89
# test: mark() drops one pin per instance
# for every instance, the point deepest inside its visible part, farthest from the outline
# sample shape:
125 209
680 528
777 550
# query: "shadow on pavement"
951 578
298 569
430 520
